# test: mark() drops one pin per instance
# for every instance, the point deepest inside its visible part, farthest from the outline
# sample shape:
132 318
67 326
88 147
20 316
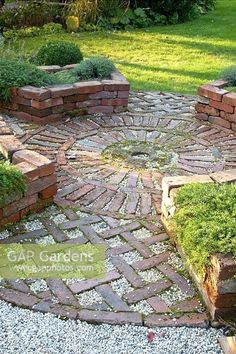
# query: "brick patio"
117 203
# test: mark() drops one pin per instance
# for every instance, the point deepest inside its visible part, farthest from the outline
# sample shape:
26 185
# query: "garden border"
218 288
217 105
40 178
53 103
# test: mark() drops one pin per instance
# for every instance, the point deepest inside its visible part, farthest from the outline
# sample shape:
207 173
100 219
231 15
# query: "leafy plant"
64 77
11 180
58 53
49 28
229 75
17 74
205 221
72 23
96 67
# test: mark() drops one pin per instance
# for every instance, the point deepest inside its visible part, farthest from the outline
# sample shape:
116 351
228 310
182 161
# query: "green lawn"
175 58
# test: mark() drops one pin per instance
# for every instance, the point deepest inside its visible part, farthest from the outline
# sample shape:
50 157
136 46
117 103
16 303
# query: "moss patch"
205 222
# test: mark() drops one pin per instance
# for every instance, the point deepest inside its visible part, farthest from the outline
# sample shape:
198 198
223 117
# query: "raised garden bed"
52 103
40 178
217 105
218 283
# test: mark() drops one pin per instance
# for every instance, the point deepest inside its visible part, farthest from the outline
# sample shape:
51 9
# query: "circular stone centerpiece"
150 155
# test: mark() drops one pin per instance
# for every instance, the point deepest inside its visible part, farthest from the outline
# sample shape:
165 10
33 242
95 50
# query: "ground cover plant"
11 181
176 58
205 222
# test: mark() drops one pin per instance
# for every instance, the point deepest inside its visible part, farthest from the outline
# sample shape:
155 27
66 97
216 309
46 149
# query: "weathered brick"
219 83
21 100
19 204
128 272
219 121
111 298
62 292
30 171
41 184
115 102
190 320
212 92
202 116
45 166
115 85
151 262
204 108
230 99
51 102
110 317
35 112
88 87
169 183
50 68
146 291
18 298
103 94
221 106
62 90
36 93
224 176
123 94
69 66
48 192
9 145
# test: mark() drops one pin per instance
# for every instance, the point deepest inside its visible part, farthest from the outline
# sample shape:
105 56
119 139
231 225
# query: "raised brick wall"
40 177
219 286
45 105
217 105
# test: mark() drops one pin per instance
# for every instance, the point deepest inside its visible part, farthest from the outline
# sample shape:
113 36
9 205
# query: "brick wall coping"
40 178
218 288
52 103
217 105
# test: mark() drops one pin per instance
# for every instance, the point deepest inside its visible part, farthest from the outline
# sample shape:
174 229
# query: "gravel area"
23 331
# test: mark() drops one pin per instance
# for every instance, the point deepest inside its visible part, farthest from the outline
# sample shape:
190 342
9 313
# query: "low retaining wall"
217 105
219 286
39 174
50 104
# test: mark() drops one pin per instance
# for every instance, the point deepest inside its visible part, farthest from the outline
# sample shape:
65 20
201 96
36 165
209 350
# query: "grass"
175 58
204 222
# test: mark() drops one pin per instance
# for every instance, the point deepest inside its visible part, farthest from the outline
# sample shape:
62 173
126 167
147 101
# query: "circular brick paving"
116 202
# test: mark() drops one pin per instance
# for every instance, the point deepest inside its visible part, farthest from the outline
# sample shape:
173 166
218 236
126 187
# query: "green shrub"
31 13
64 77
204 221
17 74
50 28
11 180
96 67
58 53
229 75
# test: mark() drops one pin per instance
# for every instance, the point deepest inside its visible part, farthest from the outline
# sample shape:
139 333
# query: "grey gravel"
26 332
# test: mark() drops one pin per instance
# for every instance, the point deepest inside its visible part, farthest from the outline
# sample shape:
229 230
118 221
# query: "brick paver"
117 203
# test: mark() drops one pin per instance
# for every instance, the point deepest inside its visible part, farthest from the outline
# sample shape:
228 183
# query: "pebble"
27 332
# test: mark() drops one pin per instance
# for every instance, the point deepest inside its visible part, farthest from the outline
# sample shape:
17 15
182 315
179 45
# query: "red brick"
21 100
221 106
115 102
45 166
40 184
123 94
146 291
76 98
100 109
30 171
25 116
62 90
230 99
51 102
233 127
212 92
202 116
230 117
19 204
88 87
36 93
204 108
11 218
219 121
188 320
115 85
35 112
18 298
48 192
9 144
103 94
89 103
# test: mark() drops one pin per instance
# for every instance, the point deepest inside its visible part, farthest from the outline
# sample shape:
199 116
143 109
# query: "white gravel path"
26 332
